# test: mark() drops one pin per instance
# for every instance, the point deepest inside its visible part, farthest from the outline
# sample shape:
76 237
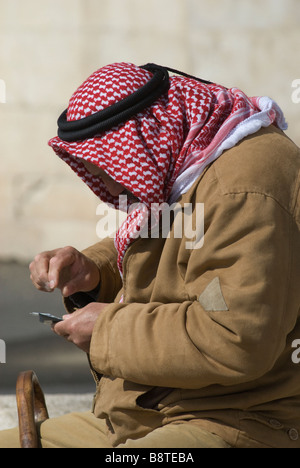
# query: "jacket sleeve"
247 253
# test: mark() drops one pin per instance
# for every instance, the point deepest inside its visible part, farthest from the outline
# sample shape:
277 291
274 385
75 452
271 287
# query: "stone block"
50 47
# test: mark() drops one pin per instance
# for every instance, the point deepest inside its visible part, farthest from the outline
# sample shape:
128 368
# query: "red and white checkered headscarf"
159 153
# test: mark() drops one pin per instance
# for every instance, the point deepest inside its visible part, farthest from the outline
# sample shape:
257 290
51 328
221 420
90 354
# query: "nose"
114 188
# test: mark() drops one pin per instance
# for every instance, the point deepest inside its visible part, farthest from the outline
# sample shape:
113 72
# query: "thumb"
69 287
67 317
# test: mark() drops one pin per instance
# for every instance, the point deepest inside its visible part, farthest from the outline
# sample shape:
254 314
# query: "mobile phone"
47 318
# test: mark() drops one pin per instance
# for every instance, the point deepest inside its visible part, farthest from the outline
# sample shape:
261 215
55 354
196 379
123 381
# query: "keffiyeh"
159 153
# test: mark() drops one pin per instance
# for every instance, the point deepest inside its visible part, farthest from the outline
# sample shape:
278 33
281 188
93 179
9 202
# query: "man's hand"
66 269
78 327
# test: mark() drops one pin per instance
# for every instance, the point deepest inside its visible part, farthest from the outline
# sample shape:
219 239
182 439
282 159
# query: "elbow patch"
212 298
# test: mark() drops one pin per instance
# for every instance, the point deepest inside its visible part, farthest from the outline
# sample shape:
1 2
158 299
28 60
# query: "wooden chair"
32 408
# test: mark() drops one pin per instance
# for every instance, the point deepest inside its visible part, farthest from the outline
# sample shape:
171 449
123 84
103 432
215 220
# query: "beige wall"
48 47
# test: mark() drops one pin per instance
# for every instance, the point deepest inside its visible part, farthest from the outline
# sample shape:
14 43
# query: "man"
190 344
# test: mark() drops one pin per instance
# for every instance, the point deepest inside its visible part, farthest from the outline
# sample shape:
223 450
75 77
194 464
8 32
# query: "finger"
40 287
69 288
61 329
59 273
39 272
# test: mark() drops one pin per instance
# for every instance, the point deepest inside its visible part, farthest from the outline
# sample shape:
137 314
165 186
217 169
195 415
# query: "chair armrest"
32 408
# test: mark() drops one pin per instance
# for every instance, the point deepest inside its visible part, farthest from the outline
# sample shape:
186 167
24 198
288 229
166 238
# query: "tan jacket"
205 335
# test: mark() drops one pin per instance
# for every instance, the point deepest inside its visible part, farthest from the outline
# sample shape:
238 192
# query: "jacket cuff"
82 299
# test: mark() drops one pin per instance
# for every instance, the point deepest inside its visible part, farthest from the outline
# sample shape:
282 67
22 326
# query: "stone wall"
47 48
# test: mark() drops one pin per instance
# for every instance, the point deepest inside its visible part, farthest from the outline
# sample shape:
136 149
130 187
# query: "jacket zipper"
95 374
97 377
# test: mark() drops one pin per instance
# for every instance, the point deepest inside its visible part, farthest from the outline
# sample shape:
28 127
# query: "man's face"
114 188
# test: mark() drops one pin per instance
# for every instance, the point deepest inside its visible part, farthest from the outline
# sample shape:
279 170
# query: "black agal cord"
121 111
